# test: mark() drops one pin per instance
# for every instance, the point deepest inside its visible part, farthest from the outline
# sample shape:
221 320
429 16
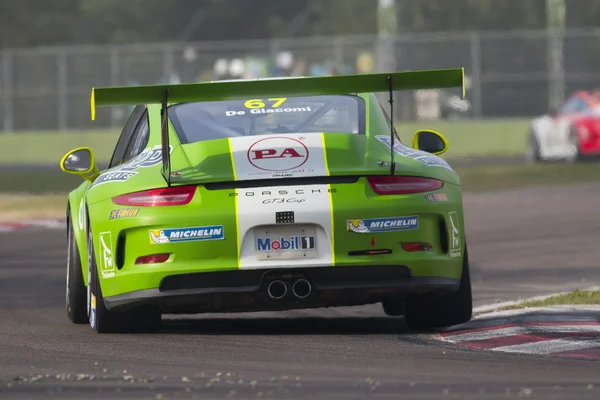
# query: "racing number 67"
258 103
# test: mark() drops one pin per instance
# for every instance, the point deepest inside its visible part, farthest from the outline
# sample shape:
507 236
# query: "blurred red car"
571 133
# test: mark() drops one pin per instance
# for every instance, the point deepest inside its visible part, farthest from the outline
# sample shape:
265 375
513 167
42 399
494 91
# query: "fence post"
168 63
338 52
476 73
114 81
61 59
7 92
556 83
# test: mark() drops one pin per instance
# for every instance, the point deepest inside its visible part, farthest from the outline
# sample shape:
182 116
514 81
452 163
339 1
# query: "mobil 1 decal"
304 238
282 156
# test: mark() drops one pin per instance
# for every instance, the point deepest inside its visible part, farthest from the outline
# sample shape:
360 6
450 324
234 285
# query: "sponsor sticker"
278 154
266 157
147 158
107 267
82 214
159 236
124 213
418 155
375 225
93 312
455 241
283 243
436 197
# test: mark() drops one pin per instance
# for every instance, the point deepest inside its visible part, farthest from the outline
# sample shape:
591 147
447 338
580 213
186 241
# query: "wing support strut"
164 138
392 133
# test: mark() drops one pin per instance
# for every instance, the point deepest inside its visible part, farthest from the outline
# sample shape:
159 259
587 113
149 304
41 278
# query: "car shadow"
287 326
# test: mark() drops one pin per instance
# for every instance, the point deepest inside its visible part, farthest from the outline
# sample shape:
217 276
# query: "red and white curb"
563 331
42 223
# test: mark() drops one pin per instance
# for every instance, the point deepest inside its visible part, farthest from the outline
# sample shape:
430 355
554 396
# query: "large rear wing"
288 87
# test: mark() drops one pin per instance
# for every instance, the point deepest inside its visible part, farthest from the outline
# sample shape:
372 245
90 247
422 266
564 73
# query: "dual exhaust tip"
301 288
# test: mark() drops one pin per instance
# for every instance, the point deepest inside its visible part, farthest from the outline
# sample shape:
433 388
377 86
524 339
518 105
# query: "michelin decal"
160 236
377 225
418 155
121 173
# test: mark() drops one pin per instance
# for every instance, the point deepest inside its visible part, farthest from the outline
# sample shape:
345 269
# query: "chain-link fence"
511 74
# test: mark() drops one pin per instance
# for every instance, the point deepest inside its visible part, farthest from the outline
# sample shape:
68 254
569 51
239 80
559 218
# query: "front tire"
532 155
75 286
574 153
103 320
430 311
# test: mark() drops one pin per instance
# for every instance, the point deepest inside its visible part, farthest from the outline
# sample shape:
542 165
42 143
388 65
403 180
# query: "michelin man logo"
121 173
455 242
358 228
160 238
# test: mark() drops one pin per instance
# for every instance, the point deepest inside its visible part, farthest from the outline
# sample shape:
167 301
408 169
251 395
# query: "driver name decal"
284 156
268 111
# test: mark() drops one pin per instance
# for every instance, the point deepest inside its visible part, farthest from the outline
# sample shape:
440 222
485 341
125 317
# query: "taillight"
173 196
416 246
403 184
153 258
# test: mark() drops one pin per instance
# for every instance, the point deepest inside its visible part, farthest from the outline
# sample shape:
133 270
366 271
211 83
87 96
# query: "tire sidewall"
74 285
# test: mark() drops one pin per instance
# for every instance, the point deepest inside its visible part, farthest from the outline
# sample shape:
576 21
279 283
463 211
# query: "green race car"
279 194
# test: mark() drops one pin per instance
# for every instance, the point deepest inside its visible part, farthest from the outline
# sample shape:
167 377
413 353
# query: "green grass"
475 138
23 207
576 297
466 138
50 147
496 177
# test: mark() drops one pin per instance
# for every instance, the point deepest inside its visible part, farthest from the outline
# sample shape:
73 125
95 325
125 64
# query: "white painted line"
496 306
525 316
520 330
550 346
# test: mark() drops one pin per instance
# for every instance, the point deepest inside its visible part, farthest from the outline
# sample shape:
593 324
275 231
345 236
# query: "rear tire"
75 286
430 311
103 320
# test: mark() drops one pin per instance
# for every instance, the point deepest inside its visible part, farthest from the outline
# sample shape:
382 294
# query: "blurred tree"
26 23
45 22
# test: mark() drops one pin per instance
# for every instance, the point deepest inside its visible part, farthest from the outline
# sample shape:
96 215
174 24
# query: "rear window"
195 122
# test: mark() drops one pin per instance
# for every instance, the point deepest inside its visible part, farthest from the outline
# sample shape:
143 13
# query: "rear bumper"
246 290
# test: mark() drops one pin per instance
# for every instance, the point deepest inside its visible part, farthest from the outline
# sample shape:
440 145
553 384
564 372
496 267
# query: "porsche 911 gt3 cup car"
569 134
266 195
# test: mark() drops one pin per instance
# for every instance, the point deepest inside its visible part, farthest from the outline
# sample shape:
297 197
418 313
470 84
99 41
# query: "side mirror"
80 162
430 141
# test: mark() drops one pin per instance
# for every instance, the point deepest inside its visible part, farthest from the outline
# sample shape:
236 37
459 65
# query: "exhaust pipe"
301 288
277 290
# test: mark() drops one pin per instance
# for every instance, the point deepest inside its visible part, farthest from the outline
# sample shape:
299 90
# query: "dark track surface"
522 243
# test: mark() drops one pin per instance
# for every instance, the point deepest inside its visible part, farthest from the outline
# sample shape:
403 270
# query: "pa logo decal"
278 154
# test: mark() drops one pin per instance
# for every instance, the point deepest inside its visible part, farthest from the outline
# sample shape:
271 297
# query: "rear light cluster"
173 196
416 246
153 258
403 184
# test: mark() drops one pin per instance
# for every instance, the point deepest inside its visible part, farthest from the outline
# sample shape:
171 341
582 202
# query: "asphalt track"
522 243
